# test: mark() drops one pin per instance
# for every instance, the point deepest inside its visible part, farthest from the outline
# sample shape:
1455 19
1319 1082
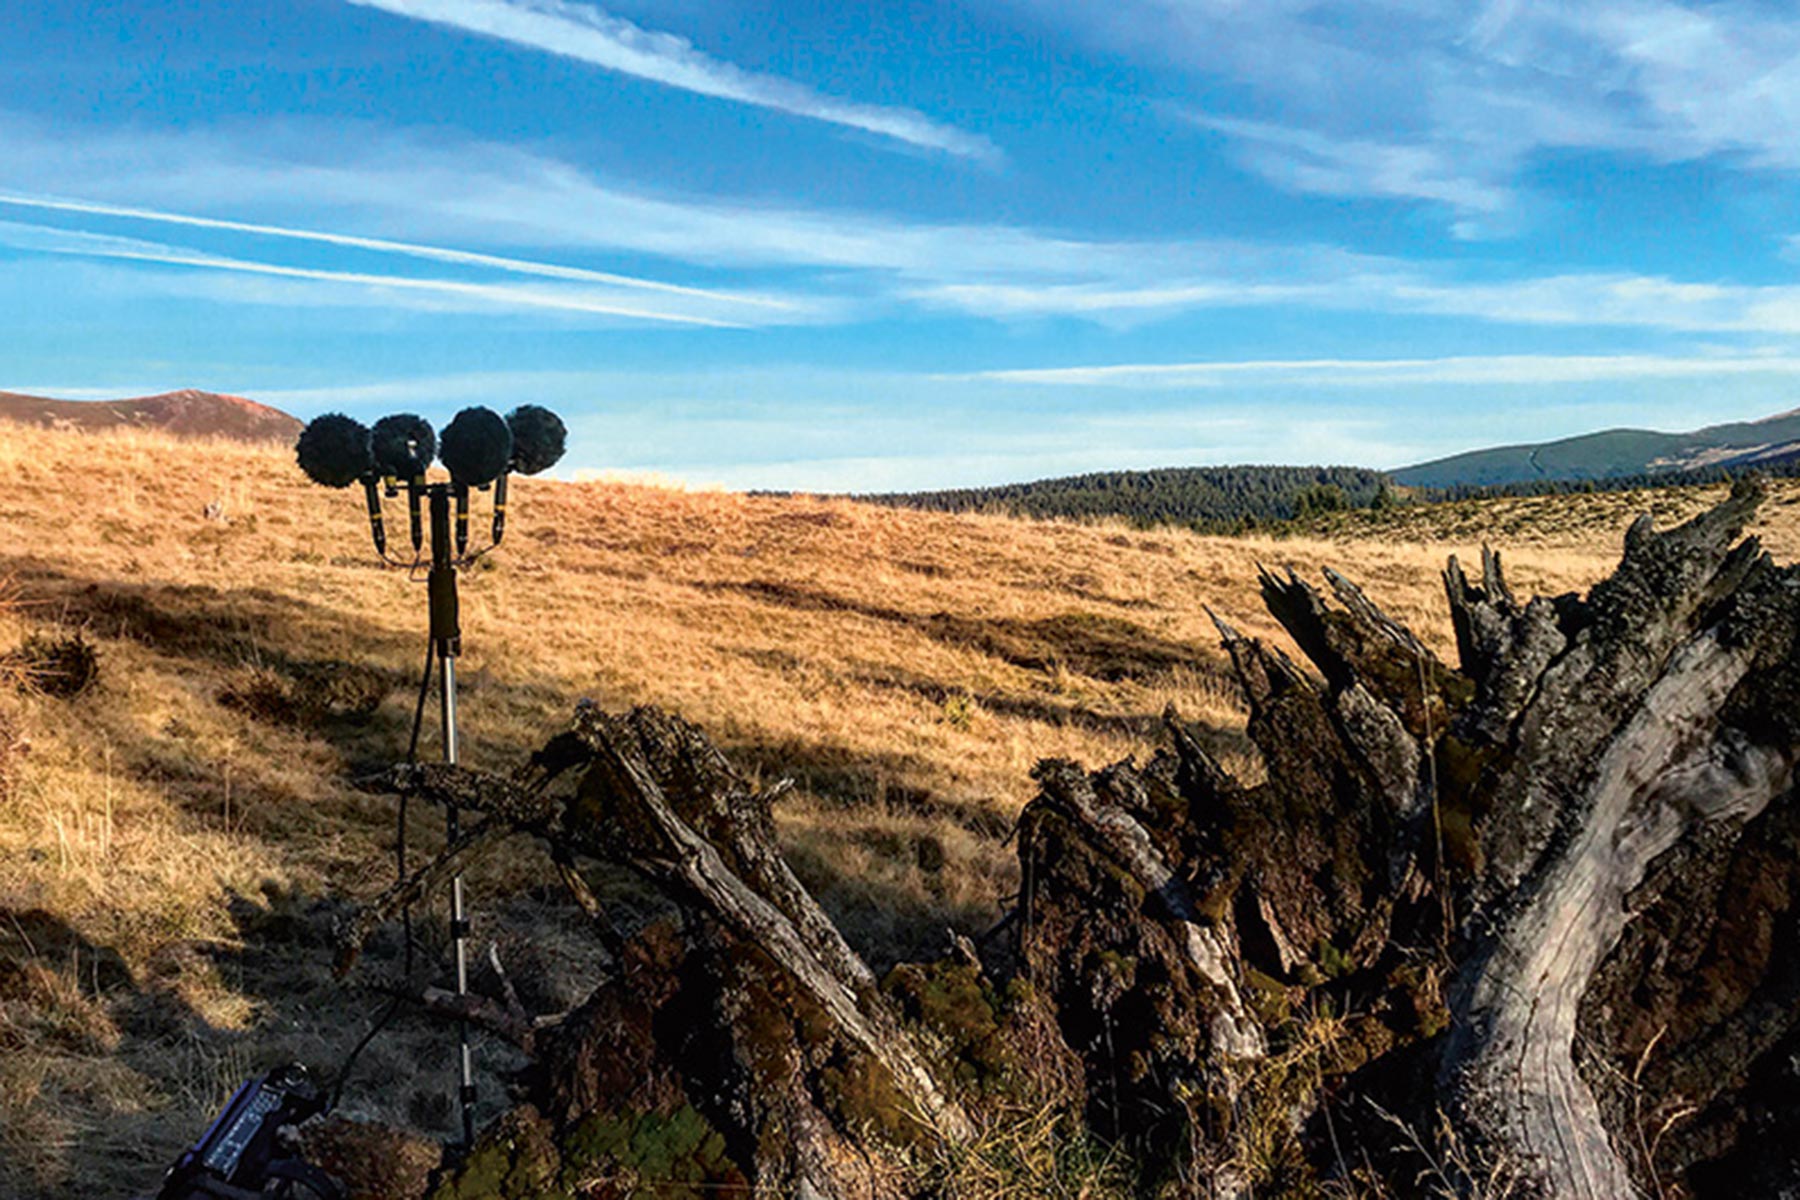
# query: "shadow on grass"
1101 647
106 1074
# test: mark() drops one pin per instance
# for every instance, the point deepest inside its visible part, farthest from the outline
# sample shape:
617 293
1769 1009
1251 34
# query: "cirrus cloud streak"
592 36
1536 369
44 239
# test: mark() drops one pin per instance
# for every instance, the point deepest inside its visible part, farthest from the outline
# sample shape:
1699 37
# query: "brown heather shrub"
59 665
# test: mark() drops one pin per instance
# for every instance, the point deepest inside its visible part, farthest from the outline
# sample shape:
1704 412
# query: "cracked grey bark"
1622 736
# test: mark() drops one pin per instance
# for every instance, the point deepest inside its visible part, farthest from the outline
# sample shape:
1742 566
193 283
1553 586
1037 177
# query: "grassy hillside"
189 412
1605 455
1554 523
172 839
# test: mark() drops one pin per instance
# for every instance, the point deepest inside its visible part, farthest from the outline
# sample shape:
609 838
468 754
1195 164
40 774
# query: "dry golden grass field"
175 839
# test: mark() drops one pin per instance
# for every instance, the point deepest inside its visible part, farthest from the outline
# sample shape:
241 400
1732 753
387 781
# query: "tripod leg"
459 923
446 636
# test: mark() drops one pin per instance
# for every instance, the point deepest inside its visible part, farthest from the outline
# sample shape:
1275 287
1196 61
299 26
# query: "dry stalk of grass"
1022 1153
1451 1168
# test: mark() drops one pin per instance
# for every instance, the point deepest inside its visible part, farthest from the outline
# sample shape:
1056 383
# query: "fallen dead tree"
1472 934
1456 857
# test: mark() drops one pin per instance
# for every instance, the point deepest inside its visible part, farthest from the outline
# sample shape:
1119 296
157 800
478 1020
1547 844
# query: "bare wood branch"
470 848
507 990
671 852
478 1010
588 902
450 786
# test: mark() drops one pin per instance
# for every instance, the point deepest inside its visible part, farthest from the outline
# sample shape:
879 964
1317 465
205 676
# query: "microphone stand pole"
446 641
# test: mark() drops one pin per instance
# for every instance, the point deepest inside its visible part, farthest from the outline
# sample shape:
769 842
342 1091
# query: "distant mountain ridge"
1615 453
187 413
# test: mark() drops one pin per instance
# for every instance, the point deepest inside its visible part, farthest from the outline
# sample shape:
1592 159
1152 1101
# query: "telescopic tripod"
446 644
479 449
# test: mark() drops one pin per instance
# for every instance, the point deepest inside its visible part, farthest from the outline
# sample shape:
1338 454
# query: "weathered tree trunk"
1494 826
1181 922
1643 729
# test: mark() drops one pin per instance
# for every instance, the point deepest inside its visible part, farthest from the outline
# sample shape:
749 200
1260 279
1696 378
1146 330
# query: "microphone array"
479 448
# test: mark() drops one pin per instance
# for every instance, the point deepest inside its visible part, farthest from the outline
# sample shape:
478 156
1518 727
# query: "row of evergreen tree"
1203 497
1786 467
1237 499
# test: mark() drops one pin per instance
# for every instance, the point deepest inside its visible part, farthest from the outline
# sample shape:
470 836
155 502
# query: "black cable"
381 1022
337 1089
412 760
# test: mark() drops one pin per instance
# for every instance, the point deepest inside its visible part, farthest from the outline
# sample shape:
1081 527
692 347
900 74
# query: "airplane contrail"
91 245
411 249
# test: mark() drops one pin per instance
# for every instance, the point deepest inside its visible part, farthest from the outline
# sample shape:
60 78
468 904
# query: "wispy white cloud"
393 194
403 188
1305 160
1533 369
1707 77
1113 298
1366 283
593 36
1467 95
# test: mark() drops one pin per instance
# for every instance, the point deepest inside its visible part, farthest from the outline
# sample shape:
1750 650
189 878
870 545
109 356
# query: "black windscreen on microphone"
538 438
500 507
377 530
334 450
462 521
404 446
476 447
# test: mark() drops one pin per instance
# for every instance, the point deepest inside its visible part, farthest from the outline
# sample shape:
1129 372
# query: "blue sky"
844 247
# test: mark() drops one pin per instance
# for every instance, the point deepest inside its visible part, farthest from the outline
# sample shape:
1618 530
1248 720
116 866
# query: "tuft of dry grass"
1023 1153
905 668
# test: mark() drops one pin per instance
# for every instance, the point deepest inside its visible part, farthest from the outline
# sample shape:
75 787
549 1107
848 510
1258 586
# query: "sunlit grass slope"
166 836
